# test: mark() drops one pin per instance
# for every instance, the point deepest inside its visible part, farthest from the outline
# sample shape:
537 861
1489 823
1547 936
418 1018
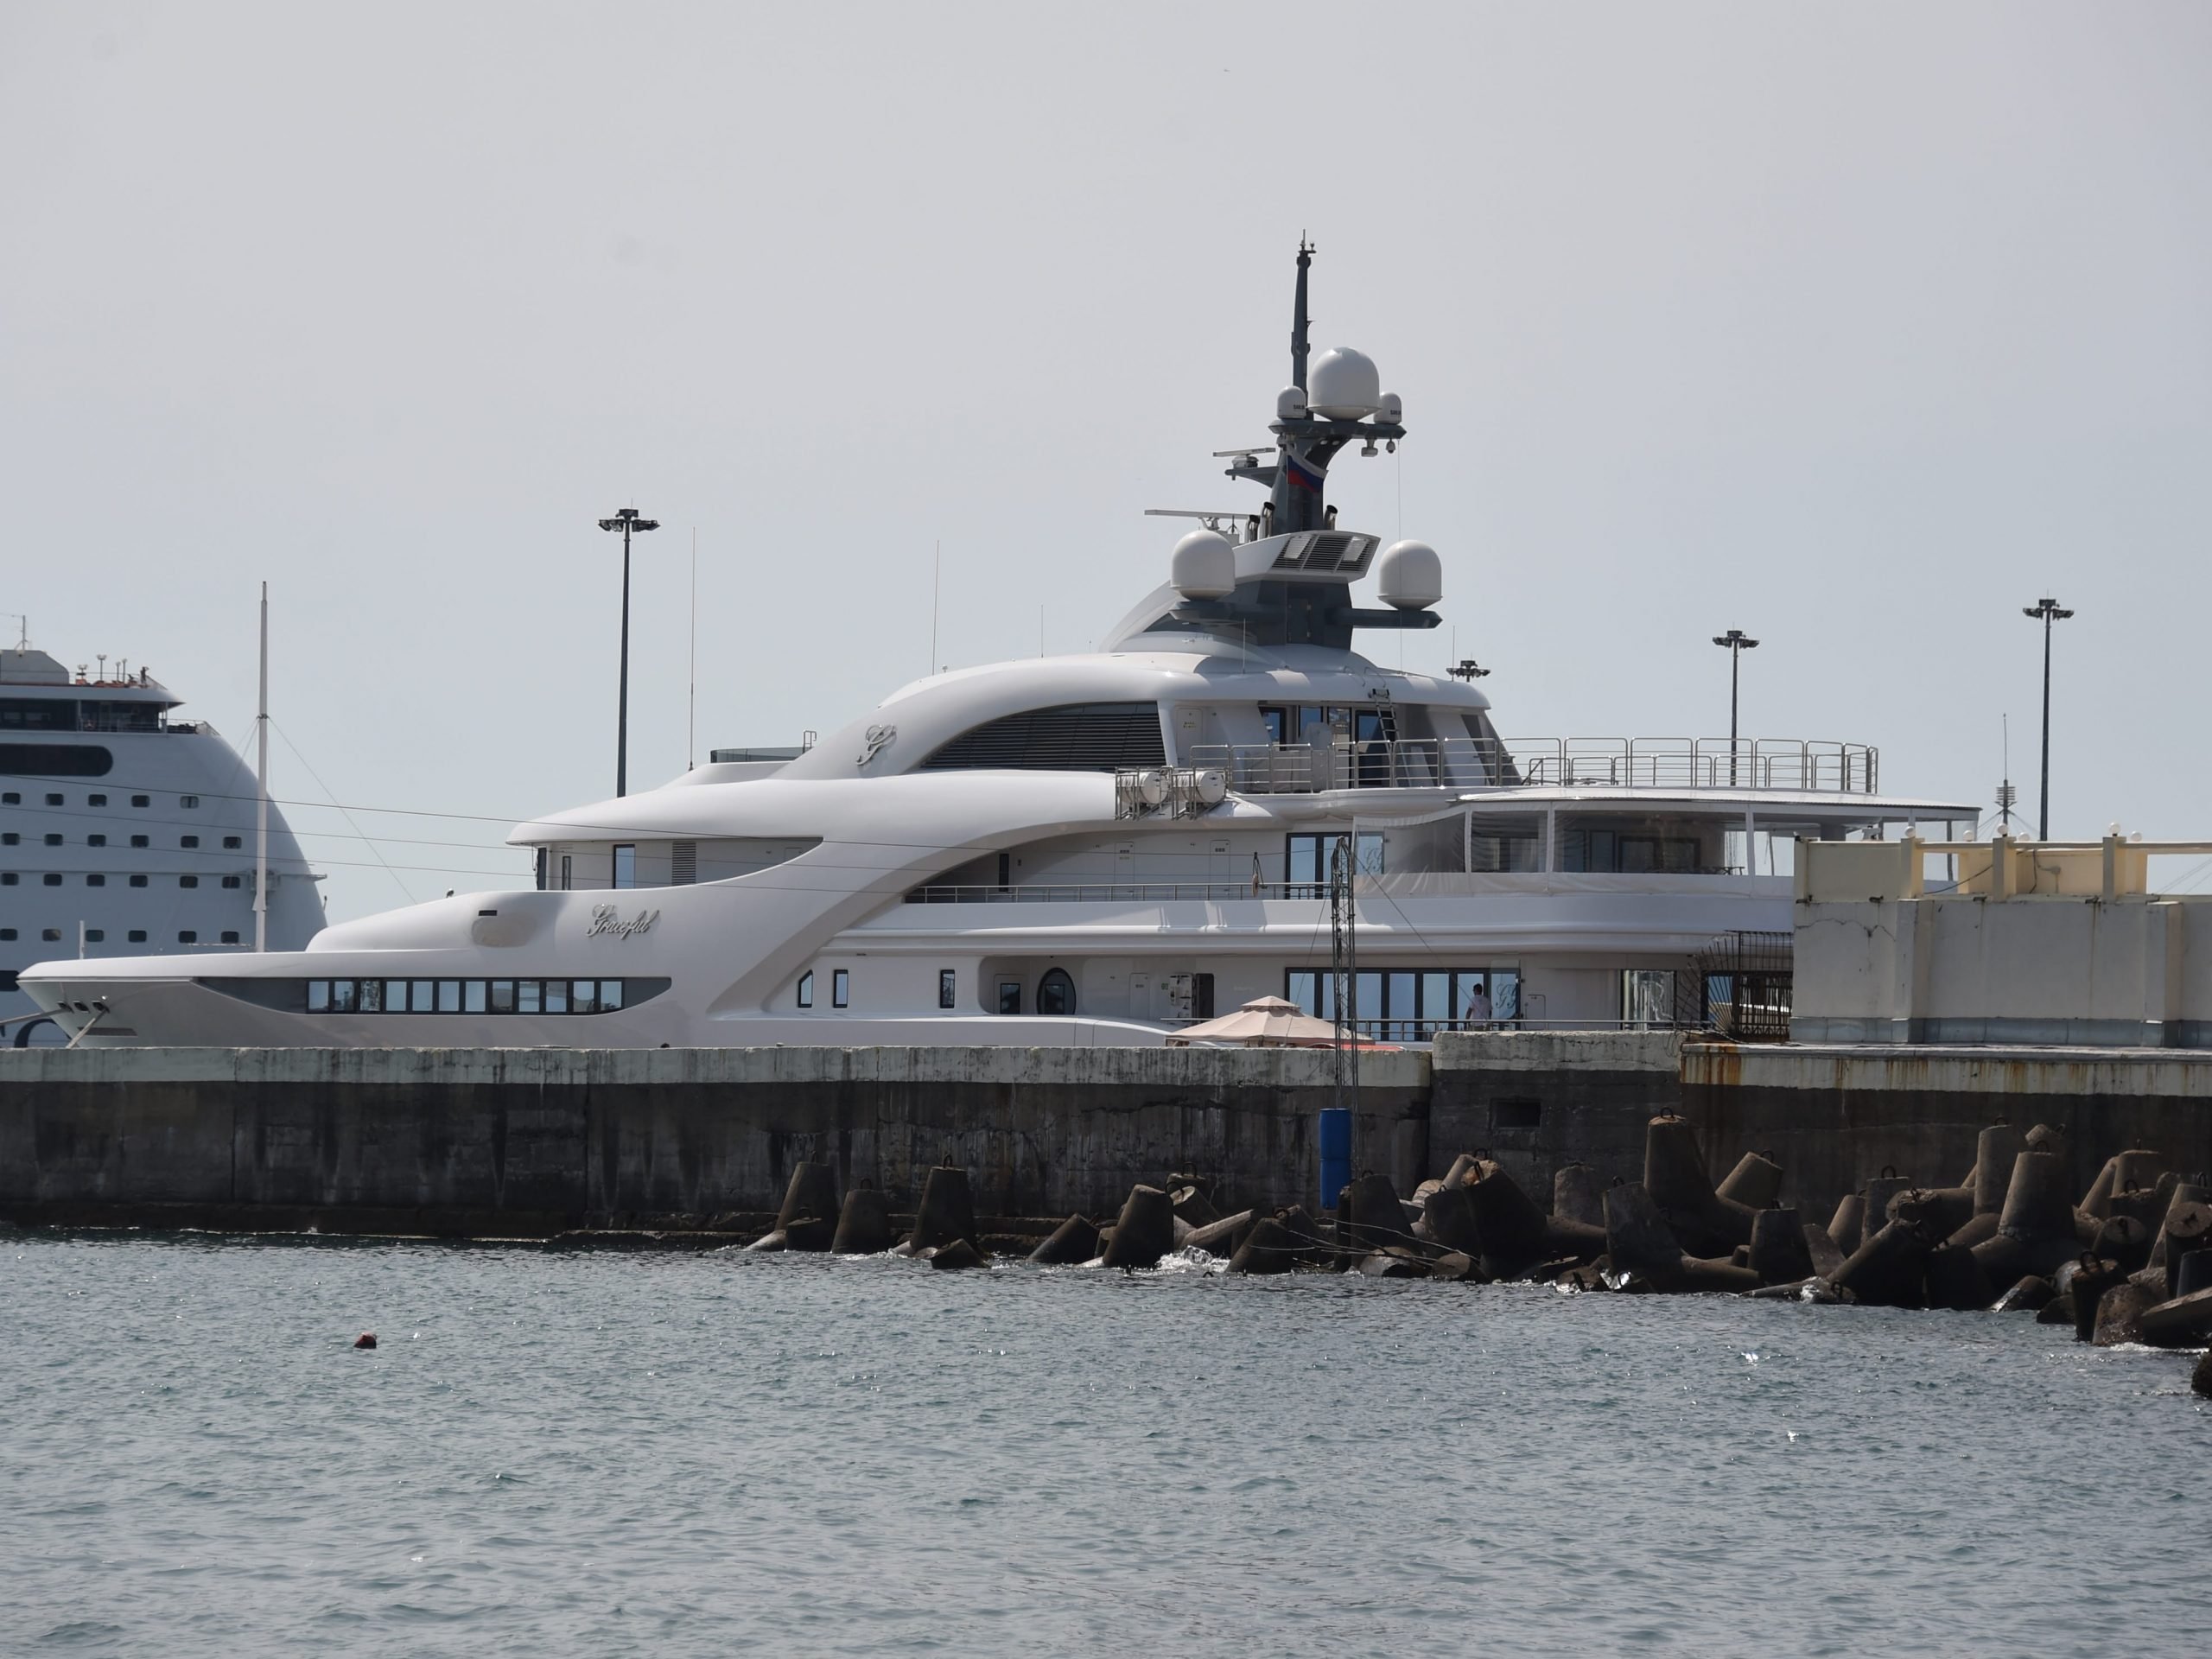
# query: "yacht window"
189 937
187 880
141 840
449 996
541 861
8 879
318 996
53 936
1006 871
230 937
343 998
137 936
232 881
11 798
840 988
503 996
1009 996
96 935
53 880
610 995
188 841
472 997
423 998
95 840
54 840
395 998
530 996
556 996
806 989
142 800
7 934
11 839
233 842
1307 860
1073 737
626 864
95 800
1056 992
96 881
947 987
137 880
188 802
567 871
583 996
54 800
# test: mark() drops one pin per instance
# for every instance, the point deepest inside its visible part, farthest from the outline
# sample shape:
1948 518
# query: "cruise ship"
1227 800
125 832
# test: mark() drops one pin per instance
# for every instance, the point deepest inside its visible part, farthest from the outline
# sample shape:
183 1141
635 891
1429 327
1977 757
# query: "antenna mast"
1300 347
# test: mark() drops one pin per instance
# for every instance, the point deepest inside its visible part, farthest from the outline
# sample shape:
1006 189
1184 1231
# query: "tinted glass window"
556 996
55 760
806 989
318 996
449 996
503 996
583 996
610 995
472 997
529 996
840 988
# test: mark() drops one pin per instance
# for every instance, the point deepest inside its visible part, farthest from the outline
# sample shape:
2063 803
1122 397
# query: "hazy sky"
1855 326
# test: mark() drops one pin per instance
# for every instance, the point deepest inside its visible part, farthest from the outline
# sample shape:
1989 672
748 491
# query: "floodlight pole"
2050 611
625 521
1737 642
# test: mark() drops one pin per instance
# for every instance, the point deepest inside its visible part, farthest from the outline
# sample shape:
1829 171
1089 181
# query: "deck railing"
1654 763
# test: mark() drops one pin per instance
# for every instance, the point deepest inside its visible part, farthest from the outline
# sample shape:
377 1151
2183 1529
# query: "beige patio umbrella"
1264 1022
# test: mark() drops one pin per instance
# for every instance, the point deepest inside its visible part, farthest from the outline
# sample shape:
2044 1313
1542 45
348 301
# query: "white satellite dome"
1343 384
1290 405
1392 410
1204 566
1410 575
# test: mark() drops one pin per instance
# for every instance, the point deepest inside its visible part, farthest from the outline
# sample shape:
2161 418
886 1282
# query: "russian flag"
1302 472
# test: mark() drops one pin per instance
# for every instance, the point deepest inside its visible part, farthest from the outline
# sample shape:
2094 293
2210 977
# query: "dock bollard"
947 1210
864 1226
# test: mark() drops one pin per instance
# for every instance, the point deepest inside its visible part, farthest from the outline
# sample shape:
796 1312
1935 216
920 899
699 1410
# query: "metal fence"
1662 763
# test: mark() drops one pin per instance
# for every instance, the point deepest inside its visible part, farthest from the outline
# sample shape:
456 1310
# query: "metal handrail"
1681 764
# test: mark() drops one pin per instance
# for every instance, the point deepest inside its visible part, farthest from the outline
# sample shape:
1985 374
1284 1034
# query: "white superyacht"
1097 849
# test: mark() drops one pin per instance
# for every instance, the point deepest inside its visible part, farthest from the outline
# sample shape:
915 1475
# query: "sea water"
555 1451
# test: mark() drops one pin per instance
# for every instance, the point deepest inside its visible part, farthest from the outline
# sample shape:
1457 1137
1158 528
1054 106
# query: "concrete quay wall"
530 1140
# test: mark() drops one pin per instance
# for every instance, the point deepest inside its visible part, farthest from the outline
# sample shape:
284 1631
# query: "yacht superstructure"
1095 848
125 831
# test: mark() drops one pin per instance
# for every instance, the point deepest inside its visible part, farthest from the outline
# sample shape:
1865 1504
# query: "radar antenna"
1301 346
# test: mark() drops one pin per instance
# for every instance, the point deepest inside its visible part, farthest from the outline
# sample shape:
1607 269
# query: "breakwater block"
2119 1315
1888 1270
1270 1246
2083 1283
1939 1212
2201 1378
1996 1150
1755 1183
1222 1237
864 1226
2125 1240
809 1218
1827 1258
1847 1227
2031 1295
2192 1272
1778 1252
1637 1238
1369 1216
1514 1234
1457 1265
769 1244
2059 1310
1881 1192
1674 1174
1979 1227
947 1211
1578 1196
2184 1319
2186 1197
1074 1242
1145 1230
1397 1263
1191 1201
951 1258
1955 1279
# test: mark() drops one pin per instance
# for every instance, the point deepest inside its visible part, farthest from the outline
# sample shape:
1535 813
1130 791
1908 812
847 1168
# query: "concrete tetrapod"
1955 1280
809 1218
1270 1246
1939 1212
1222 1237
1578 1196
864 1228
1755 1183
1674 1174
2119 1315
1073 1242
2184 1193
2200 1380
2182 1319
1369 1216
960 1253
2031 1295
2187 1231
1890 1269
1827 1258
1640 1243
1881 1192
2192 1273
1779 1254
1847 1227
1996 1150
2125 1240
947 1211
2035 1230
1145 1230
1512 1230
2082 1284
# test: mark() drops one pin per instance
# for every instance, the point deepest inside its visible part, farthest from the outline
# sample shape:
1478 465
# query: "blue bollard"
1336 1153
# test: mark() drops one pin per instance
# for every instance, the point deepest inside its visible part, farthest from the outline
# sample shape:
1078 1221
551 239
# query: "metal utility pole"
625 521
1737 643
2050 611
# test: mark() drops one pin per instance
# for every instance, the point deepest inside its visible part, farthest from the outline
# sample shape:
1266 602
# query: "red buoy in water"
366 1339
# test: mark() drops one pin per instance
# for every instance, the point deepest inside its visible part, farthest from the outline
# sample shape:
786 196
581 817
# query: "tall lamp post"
625 521
2050 611
1737 642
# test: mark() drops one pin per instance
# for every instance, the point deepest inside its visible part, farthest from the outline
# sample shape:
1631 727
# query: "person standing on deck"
1478 1008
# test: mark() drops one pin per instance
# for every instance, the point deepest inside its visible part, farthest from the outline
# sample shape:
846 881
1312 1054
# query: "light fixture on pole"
2050 611
625 521
1736 642
1465 669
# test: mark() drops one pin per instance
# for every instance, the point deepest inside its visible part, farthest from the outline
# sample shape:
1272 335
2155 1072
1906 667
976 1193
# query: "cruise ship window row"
468 996
14 798
99 936
98 878
55 838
